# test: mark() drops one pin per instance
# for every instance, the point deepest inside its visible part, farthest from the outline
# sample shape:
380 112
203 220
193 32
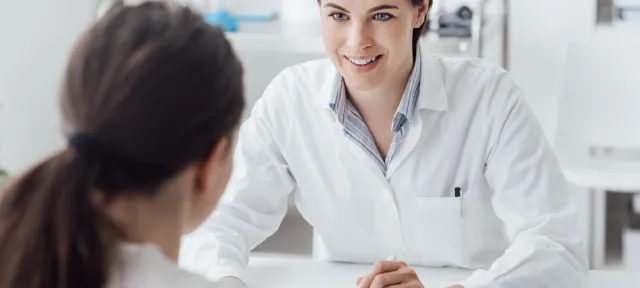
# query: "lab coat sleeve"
255 201
532 199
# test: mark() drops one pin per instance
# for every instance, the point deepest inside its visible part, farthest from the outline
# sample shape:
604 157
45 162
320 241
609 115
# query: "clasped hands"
391 274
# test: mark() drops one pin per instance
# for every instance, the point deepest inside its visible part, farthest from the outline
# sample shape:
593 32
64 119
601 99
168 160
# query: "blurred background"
577 60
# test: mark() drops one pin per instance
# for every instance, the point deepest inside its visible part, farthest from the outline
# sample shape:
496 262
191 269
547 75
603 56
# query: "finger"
408 279
385 280
380 268
359 280
403 285
387 266
415 284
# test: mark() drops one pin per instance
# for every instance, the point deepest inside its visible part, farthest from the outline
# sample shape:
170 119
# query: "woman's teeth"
362 62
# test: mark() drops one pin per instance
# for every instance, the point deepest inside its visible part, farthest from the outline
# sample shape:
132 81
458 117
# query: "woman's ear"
421 14
206 175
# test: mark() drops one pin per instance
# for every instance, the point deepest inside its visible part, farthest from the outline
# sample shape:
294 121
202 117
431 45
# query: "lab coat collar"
432 96
332 83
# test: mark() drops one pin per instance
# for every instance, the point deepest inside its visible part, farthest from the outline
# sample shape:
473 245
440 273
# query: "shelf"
626 3
626 182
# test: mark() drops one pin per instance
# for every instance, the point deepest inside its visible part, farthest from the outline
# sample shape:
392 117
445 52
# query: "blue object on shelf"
267 17
229 23
223 19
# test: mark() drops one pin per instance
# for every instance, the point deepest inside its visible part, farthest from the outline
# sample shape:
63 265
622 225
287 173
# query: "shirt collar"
410 95
338 101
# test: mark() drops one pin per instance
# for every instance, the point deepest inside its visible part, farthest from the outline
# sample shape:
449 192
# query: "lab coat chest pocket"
438 230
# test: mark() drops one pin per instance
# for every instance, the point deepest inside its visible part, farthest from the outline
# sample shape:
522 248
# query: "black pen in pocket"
457 193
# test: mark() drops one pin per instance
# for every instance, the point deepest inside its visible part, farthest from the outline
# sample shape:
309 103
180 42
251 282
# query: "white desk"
294 273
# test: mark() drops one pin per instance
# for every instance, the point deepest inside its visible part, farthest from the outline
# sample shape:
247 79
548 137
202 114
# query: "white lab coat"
515 222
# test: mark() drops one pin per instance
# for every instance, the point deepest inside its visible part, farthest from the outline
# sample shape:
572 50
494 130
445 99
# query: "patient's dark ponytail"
149 90
48 228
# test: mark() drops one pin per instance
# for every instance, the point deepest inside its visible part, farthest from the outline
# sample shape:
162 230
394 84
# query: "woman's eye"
338 16
383 17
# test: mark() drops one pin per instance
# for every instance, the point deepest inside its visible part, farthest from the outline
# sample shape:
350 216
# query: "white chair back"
599 111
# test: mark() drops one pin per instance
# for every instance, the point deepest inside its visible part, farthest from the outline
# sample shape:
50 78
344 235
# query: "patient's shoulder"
146 266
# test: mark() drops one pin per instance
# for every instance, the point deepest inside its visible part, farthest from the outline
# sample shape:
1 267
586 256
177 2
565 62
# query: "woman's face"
370 41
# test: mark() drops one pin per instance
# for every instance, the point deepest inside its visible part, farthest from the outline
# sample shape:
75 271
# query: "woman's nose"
359 38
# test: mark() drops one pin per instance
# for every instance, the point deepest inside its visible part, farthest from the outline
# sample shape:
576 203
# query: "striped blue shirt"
356 129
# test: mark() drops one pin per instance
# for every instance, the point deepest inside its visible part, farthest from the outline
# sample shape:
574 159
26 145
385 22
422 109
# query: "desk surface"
289 273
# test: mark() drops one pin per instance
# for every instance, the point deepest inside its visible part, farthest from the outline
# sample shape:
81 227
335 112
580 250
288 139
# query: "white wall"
540 33
34 45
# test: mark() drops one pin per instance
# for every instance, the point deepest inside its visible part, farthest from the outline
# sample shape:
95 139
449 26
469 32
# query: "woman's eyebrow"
336 6
374 9
383 7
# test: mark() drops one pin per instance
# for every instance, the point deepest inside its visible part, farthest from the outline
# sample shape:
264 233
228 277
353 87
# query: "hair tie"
87 144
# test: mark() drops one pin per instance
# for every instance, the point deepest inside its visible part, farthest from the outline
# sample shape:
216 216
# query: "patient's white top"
144 265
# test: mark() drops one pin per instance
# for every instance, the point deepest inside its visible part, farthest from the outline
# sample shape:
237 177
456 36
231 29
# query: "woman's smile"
363 64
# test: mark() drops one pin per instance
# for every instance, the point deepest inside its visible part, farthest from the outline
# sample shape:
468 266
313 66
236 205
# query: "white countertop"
273 272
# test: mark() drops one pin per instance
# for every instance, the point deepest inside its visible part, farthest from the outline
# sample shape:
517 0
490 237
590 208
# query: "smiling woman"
373 45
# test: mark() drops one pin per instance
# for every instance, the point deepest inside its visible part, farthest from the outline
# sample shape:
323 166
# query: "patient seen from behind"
151 101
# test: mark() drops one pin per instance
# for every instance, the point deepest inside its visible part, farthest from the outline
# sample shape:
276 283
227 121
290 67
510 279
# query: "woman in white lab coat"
152 98
391 151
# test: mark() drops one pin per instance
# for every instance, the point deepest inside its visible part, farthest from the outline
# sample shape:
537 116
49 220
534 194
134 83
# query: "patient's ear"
209 182
210 170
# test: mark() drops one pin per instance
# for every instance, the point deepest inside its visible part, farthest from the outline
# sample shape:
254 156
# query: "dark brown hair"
149 90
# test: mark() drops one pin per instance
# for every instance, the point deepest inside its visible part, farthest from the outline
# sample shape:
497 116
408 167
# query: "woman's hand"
394 274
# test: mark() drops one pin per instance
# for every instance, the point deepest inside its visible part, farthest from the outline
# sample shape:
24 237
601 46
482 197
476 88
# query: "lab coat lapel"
331 83
432 102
